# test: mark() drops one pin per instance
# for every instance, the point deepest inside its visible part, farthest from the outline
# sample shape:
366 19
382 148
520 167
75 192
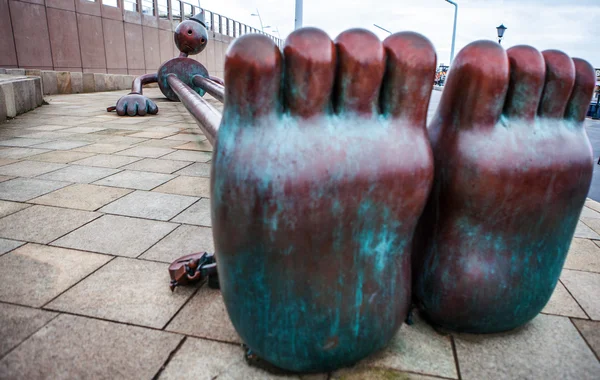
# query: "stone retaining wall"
19 94
22 90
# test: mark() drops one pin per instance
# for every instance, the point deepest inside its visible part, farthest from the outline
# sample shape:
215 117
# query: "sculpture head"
191 36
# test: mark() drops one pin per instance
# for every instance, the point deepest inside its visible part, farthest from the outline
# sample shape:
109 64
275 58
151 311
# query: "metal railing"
179 10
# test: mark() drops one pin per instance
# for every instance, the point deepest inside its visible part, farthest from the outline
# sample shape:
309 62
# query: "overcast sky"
571 26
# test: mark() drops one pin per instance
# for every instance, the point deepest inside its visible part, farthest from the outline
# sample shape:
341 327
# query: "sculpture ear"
253 70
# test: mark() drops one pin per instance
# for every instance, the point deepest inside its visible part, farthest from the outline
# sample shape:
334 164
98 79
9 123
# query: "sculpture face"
191 37
315 195
513 166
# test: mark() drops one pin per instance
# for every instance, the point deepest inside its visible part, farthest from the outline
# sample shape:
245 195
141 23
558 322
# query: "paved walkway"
93 208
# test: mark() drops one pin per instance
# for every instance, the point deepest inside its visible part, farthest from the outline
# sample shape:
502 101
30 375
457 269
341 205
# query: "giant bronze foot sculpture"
513 165
320 172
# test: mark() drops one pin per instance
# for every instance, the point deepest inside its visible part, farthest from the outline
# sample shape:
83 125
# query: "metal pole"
260 19
384 29
298 20
207 117
215 89
454 31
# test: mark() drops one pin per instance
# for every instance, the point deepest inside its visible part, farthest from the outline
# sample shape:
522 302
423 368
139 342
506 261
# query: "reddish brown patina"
513 165
316 191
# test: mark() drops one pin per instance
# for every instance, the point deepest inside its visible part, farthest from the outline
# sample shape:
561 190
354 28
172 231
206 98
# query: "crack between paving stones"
159 240
455 354
171 355
182 306
597 355
185 209
401 371
44 306
575 299
30 335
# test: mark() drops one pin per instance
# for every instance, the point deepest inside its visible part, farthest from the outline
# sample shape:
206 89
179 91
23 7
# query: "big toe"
476 87
253 66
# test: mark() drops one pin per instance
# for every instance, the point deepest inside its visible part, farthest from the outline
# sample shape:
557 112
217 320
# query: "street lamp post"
501 29
382 28
298 18
259 19
454 31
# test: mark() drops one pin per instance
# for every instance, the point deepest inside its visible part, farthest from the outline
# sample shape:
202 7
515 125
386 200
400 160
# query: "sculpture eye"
190 32
202 40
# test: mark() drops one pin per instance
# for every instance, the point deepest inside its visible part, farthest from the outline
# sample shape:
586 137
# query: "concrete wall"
89 37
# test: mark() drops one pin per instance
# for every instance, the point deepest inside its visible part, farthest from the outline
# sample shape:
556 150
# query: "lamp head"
501 29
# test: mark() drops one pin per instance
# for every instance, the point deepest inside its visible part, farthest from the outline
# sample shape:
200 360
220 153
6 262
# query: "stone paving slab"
583 231
145 151
589 213
18 153
129 290
24 189
117 235
584 287
183 239
132 179
43 224
82 197
156 143
562 303
583 255
157 166
34 274
182 155
79 174
61 156
417 348
62 145
7 208
29 168
377 374
107 161
592 204
197 214
22 142
183 185
6 161
590 330
17 323
102 148
7 245
83 348
197 169
205 316
203 359
150 205
549 347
